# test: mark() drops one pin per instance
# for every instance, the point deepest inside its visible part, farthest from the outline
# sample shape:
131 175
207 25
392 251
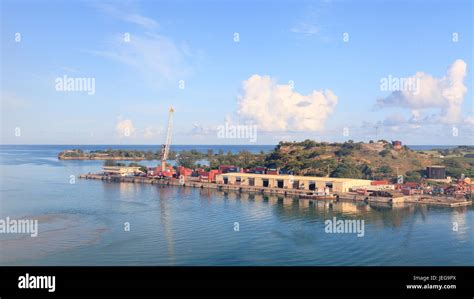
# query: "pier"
302 194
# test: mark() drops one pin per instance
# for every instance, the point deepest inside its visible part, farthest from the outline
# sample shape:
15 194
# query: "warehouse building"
436 172
121 170
291 182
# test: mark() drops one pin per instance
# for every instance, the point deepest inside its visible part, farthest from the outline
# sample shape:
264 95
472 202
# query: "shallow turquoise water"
83 223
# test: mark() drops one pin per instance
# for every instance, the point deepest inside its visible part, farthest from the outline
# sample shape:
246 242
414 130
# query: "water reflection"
459 224
165 194
381 215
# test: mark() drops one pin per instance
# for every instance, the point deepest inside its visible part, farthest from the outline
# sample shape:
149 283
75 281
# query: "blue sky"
336 81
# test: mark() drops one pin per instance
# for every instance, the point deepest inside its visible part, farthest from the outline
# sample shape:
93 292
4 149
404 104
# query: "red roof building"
397 144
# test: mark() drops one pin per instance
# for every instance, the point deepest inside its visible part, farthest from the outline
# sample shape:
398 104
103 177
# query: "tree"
367 171
188 159
316 153
384 153
343 152
110 163
274 160
413 176
454 172
245 158
346 170
309 144
385 170
210 153
149 155
142 167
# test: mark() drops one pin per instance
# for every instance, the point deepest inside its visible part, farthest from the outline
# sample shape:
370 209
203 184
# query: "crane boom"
166 147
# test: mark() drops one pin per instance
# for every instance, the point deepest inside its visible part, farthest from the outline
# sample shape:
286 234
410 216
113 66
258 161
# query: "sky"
107 72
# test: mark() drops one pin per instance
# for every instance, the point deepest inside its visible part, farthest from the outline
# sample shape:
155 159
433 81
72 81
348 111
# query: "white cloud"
140 20
306 29
151 132
469 120
446 93
199 129
125 128
156 57
315 21
11 101
124 15
394 120
276 107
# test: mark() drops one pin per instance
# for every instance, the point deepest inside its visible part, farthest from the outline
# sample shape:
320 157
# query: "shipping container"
379 182
272 171
228 168
184 171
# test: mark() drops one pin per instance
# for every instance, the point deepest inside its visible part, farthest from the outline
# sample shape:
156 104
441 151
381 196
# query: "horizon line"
159 144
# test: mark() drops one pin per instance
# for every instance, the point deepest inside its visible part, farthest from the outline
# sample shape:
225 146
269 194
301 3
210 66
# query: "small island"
109 154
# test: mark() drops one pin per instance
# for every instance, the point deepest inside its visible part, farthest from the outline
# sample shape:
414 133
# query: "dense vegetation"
373 160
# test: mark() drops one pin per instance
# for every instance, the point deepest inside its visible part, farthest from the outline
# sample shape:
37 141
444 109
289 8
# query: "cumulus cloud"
125 128
446 93
275 107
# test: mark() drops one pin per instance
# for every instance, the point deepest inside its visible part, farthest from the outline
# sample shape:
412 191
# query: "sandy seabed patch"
56 233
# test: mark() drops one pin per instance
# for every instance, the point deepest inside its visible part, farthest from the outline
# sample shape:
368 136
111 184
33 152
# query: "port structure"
165 149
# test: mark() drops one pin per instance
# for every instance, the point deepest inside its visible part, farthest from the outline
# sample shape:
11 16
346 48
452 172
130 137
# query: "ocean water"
85 222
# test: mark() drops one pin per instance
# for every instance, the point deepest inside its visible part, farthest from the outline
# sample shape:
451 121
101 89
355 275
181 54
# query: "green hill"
376 160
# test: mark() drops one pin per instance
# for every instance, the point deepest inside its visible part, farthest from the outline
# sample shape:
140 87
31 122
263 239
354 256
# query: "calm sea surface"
81 222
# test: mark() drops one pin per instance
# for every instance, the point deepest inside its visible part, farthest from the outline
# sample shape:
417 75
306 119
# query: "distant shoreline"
146 153
104 158
358 160
411 146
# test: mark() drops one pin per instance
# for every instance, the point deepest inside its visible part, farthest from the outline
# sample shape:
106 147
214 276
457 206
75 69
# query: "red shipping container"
204 177
212 175
184 171
411 185
380 182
